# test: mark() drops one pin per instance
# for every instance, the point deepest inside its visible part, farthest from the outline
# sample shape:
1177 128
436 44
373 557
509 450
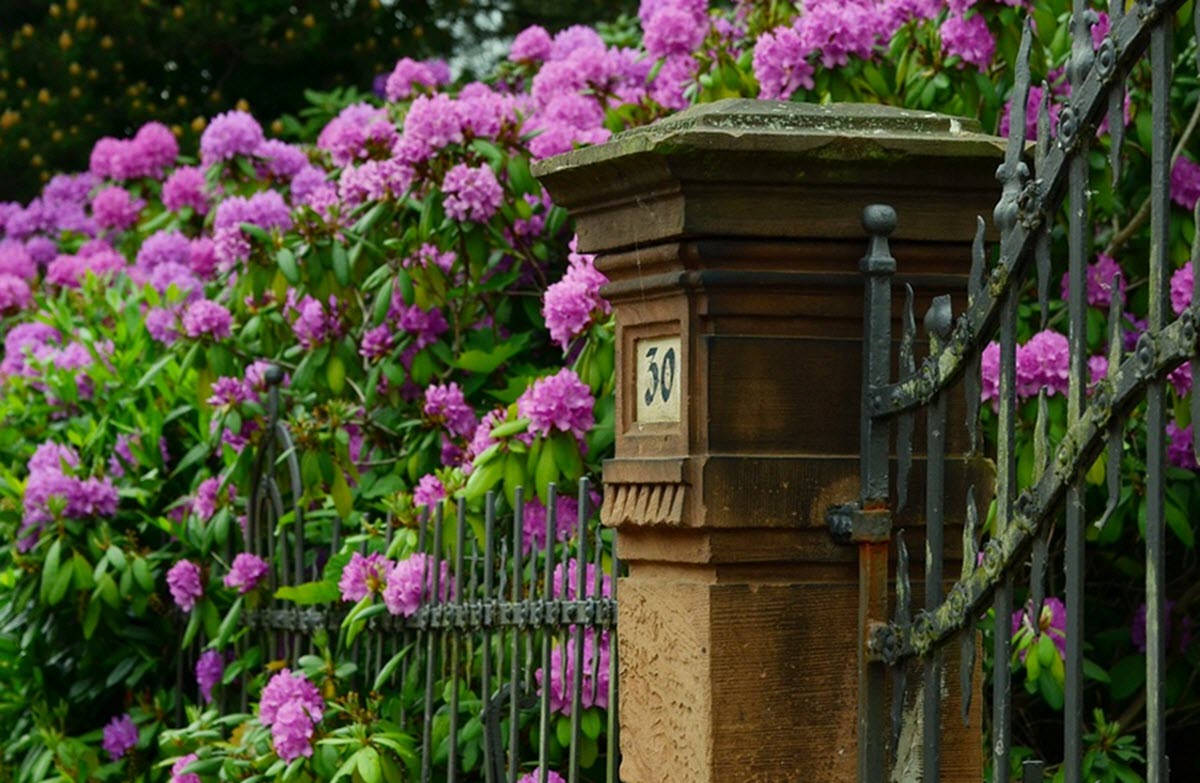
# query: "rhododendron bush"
436 334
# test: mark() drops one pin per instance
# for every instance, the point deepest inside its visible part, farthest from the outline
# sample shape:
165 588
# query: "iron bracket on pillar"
849 523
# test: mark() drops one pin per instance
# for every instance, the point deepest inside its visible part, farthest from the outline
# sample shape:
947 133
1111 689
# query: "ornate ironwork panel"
1036 185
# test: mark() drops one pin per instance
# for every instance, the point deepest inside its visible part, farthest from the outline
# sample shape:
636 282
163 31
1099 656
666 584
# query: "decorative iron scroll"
1096 416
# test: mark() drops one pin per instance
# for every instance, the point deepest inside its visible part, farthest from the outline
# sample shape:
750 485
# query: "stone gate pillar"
731 236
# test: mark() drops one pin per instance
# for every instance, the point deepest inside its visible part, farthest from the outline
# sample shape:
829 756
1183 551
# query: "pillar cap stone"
775 169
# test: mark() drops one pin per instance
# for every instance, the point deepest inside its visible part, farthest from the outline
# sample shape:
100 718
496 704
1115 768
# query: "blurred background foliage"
75 70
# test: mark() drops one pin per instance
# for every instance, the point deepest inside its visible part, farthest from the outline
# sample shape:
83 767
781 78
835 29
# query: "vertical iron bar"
1005 481
612 760
433 581
460 545
877 266
1079 250
578 634
490 754
1160 237
935 470
514 708
547 636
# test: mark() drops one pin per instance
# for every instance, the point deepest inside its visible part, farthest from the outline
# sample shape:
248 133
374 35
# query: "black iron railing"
1024 515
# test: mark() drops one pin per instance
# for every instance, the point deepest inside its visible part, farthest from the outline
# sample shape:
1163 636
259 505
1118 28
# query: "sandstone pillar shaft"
731 235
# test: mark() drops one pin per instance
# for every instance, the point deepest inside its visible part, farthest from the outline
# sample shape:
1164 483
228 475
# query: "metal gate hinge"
848 523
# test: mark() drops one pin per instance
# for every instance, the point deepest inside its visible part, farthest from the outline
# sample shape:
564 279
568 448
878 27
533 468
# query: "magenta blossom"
205 318
410 584
558 402
246 572
363 576
210 666
177 770
120 736
471 193
184 582
429 491
1052 621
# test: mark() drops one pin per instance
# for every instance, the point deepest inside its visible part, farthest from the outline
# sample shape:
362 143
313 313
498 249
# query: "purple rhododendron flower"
1100 275
571 304
675 27
246 572
532 45
184 582
120 736
558 402
291 706
1052 621
210 666
228 135
363 576
533 524
177 770
594 691
15 294
536 777
429 491
184 188
1043 363
410 583
1180 449
292 732
471 193
205 318
781 63
446 406
564 583
114 208
1185 182
968 38
409 73
1181 289
359 132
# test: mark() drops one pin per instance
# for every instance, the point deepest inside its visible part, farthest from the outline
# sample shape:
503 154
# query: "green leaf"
229 624
385 674
383 301
153 371
482 479
368 765
143 575
310 593
545 472
590 723
286 260
341 264
1127 675
92 618
50 568
509 428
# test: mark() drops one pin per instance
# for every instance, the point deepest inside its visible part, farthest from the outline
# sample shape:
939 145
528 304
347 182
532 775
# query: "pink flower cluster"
246 572
410 583
210 666
573 303
183 580
120 736
363 576
1042 363
291 706
594 690
1101 275
149 153
55 488
559 402
446 407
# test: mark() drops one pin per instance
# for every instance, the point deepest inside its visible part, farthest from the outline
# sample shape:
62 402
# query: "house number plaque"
659 379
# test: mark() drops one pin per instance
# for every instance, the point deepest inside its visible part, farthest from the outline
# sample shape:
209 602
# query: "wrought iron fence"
517 624
1024 517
